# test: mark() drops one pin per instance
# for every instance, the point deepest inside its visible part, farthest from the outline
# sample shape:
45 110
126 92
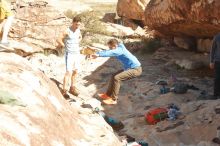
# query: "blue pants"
217 79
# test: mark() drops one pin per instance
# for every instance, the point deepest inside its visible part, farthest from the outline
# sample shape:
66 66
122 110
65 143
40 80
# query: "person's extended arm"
61 38
110 53
212 53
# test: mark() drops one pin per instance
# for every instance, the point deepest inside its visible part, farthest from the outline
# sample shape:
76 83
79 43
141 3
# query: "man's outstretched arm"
60 40
110 53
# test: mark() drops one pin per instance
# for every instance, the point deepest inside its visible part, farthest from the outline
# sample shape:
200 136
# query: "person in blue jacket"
215 64
131 69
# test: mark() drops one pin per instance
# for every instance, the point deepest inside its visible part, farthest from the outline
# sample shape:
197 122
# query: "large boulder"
21 48
33 111
198 18
123 31
132 9
38 23
118 30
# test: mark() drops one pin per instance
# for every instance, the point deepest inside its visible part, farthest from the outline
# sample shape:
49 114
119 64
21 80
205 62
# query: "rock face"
118 30
204 45
122 31
185 43
33 111
21 48
184 17
129 23
109 17
132 9
38 23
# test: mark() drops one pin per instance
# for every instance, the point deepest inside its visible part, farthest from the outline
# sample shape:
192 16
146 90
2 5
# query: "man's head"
112 43
76 22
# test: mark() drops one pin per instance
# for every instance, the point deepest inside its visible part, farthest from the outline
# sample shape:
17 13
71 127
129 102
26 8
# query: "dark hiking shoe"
74 91
64 93
216 140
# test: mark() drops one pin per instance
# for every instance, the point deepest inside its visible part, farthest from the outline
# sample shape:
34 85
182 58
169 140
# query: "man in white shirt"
70 40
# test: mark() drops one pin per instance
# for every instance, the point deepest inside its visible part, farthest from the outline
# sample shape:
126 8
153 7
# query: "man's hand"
60 40
94 56
211 65
60 46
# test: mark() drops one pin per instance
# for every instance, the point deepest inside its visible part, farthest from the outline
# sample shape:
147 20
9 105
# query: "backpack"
180 88
156 115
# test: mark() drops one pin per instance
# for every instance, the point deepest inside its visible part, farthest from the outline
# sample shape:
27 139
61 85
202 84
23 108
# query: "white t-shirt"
72 41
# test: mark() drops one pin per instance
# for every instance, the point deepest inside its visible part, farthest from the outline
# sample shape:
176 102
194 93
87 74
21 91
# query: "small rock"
147 107
190 64
131 116
86 106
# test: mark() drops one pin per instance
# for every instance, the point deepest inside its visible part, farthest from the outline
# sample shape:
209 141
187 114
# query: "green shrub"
69 13
92 25
9 99
105 8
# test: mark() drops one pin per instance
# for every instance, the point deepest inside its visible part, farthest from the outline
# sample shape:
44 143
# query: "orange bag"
156 115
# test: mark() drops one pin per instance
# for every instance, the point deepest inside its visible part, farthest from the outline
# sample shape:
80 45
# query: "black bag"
180 88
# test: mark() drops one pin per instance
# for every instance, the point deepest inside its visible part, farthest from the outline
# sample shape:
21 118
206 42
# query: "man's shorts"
72 61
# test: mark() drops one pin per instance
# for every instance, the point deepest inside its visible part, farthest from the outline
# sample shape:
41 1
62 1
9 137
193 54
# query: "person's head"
112 43
76 22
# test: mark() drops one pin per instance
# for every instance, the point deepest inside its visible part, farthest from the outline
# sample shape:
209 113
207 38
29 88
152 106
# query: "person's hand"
60 46
211 65
94 56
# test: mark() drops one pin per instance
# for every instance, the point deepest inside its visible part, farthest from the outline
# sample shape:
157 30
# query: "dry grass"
105 8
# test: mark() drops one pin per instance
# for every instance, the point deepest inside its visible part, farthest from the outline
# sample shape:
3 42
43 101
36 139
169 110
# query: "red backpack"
156 115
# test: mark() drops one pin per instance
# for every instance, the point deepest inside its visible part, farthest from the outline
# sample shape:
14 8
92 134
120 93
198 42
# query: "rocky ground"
139 95
39 25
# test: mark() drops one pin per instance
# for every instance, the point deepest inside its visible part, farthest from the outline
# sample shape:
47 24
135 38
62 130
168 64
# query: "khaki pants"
114 83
